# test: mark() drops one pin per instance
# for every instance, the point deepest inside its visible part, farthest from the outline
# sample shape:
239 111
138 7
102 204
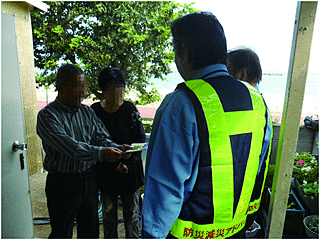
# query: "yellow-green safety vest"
255 203
221 125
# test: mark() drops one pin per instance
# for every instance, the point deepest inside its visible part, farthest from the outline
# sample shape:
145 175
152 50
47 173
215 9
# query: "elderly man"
244 65
74 140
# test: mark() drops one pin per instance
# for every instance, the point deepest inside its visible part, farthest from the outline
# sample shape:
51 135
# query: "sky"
265 26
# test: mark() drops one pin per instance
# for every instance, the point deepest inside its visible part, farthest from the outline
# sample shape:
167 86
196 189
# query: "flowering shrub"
306 171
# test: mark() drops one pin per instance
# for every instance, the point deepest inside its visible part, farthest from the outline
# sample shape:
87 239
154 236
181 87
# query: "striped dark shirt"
73 141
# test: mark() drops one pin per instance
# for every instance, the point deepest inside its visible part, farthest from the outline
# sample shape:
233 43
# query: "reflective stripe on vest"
221 125
255 205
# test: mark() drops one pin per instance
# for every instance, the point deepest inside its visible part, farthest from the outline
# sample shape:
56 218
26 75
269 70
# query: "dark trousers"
130 206
70 197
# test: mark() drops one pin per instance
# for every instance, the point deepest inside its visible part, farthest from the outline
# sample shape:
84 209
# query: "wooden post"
296 80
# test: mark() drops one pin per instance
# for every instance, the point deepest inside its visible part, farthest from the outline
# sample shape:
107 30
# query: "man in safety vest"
206 142
244 65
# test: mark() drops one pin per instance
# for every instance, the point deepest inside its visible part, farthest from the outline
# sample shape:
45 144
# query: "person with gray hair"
74 140
244 65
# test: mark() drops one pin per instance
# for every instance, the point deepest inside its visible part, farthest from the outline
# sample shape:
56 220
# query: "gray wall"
307 139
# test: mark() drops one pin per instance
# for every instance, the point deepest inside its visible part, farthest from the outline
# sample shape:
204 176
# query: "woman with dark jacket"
125 177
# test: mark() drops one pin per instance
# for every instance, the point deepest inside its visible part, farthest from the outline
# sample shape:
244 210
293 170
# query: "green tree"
132 36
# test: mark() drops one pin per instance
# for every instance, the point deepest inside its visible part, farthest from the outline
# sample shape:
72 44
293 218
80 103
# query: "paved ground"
39 204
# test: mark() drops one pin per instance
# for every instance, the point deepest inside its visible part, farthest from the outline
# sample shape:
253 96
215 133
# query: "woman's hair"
66 71
245 58
111 75
203 36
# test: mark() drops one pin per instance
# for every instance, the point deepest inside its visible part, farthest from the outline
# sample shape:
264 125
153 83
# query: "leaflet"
137 147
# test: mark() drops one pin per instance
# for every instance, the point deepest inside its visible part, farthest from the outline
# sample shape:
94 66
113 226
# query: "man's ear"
243 75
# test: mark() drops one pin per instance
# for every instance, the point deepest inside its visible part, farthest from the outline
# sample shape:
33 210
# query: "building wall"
307 138
27 77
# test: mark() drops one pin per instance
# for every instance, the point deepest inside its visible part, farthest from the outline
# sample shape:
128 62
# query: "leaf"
132 36
58 29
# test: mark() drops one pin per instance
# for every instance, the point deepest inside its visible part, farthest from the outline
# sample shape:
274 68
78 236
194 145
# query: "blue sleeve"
266 142
170 166
263 161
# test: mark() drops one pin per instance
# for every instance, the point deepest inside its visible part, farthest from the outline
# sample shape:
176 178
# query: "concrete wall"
27 77
306 141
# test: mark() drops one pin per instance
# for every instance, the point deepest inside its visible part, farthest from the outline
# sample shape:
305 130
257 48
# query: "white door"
16 207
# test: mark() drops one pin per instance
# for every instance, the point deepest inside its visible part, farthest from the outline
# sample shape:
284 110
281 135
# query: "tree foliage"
132 36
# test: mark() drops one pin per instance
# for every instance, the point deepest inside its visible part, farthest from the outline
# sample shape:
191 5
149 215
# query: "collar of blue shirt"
211 71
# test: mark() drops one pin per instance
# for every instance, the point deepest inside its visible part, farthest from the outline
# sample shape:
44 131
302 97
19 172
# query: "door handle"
19 146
